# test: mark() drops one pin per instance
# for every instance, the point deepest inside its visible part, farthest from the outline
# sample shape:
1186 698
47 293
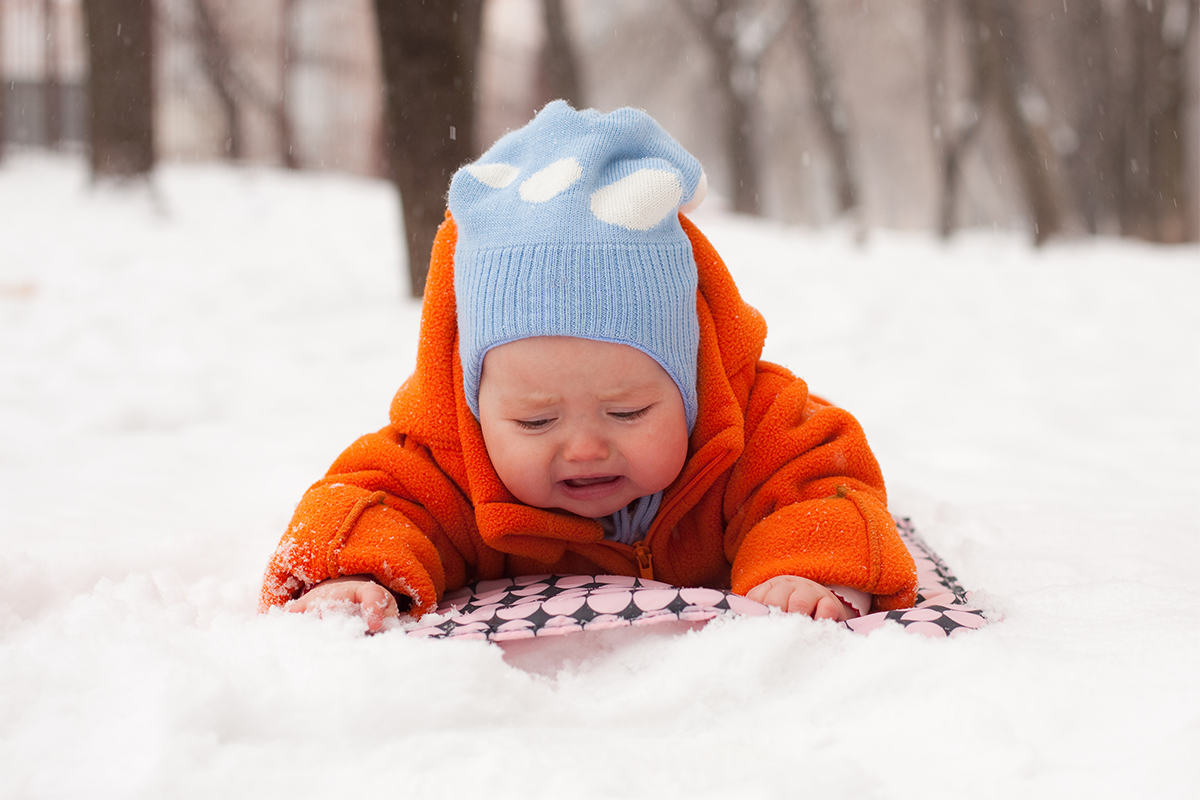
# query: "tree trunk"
218 68
736 85
283 117
51 86
832 116
1095 163
739 144
1175 209
428 51
1000 51
1156 203
120 86
936 92
953 132
559 67
3 91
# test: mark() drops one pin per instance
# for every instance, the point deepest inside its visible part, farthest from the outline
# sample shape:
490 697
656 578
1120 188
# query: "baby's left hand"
800 595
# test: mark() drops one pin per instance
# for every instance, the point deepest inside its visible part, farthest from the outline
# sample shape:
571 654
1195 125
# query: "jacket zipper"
641 550
645 560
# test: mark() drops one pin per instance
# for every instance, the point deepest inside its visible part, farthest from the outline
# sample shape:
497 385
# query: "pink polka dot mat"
551 605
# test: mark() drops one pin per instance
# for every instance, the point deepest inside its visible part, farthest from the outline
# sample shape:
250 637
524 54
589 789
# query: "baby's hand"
356 594
800 595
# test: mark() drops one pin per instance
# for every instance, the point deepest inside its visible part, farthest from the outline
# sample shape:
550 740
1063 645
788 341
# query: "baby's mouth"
576 483
591 488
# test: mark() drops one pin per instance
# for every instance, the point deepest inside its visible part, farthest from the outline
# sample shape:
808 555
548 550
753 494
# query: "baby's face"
580 425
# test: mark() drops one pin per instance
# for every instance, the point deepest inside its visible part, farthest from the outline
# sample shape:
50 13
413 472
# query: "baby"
589 398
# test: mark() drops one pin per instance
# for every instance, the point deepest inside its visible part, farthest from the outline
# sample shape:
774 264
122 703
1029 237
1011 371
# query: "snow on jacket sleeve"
807 498
365 518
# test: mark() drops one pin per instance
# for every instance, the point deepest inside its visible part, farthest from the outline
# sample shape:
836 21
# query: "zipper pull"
645 562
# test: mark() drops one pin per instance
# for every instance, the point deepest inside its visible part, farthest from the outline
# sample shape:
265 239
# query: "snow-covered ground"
176 368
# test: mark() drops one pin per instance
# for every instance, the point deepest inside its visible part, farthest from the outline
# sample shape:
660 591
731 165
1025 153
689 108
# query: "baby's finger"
782 596
312 599
325 595
758 593
297 606
828 608
801 601
377 604
772 592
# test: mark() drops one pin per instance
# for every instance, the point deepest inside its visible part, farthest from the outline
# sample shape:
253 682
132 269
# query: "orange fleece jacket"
777 482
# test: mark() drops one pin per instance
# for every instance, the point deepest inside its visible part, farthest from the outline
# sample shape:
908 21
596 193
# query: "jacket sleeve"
385 509
807 498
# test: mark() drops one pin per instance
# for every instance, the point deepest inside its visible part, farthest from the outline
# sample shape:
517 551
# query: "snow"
177 366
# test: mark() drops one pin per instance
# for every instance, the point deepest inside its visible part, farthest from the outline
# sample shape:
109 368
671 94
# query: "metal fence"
43 71
272 82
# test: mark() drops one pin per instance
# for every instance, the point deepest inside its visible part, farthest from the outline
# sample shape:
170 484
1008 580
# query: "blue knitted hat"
569 227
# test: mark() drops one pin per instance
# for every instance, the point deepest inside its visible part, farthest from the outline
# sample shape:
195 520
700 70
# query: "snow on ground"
176 367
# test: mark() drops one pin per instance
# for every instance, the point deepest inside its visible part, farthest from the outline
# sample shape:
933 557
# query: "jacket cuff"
370 539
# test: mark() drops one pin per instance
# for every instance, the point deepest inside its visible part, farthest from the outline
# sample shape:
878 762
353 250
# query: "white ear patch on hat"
550 181
496 176
639 201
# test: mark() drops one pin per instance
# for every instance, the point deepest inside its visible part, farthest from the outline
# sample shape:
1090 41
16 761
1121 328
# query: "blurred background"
1064 118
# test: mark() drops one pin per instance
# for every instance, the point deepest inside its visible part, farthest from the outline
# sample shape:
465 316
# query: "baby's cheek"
665 457
524 474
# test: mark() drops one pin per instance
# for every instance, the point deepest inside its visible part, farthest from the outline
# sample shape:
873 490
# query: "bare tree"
1156 204
953 121
737 35
559 67
283 117
51 86
991 50
236 89
3 88
1093 158
428 52
834 122
1125 115
1021 108
1120 141
217 61
120 86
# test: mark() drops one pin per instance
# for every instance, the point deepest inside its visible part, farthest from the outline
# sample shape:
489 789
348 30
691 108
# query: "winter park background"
176 369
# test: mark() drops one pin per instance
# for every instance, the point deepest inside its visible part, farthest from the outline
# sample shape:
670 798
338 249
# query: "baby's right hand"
800 595
355 594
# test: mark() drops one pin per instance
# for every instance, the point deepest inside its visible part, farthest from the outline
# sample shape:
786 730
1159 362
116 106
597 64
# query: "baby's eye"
532 424
628 416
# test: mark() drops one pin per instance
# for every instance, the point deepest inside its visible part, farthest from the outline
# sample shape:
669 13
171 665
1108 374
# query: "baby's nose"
585 445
